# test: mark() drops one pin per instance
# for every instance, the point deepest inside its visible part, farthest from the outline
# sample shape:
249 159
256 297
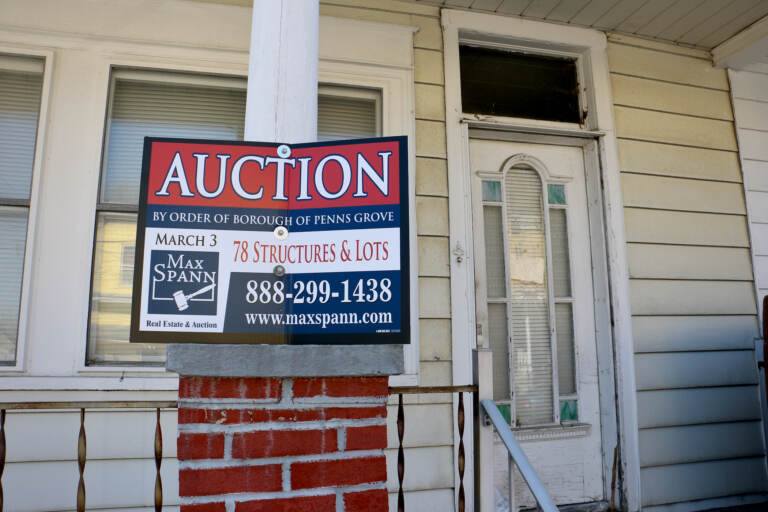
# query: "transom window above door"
505 83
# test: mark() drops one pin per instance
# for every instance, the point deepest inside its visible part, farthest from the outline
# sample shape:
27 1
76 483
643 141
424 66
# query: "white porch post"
281 105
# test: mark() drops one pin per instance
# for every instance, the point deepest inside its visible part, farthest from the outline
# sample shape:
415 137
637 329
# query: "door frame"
618 400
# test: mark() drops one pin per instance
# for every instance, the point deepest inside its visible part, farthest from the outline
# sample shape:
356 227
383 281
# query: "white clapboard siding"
760 239
634 123
665 66
667 408
425 425
433 500
425 468
751 114
667 97
752 144
758 205
666 193
755 175
691 333
748 85
695 369
695 443
43 486
689 262
669 227
665 159
691 273
668 297
750 103
685 482
110 434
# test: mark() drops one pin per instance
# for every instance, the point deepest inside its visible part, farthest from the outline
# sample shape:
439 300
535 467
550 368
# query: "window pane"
111 296
499 343
502 83
147 109
491 191
569 410
529 297
346 118
556 194
566 364
19 108
561 264
13 233
494 252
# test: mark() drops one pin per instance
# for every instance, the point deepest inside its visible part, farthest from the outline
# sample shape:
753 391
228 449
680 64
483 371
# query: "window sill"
552 432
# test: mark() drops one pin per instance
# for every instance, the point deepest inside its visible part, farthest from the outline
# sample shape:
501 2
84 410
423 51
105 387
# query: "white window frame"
47 58
352 53
590 48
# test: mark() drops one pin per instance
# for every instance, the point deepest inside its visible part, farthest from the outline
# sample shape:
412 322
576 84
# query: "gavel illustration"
182 300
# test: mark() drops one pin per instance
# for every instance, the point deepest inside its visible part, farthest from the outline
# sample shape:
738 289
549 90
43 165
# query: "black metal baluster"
158 462
400 453
81 463
462 458
2 456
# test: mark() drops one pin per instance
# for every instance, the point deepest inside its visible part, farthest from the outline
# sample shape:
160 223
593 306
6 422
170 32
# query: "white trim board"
590 46
47 58
748 47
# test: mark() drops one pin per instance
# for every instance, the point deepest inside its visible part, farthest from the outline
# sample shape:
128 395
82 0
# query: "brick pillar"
301 443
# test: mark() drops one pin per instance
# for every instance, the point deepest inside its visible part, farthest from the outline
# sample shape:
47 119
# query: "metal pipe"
89 405
516 452
415 390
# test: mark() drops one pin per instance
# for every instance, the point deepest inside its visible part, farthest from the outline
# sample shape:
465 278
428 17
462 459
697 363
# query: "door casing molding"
618 399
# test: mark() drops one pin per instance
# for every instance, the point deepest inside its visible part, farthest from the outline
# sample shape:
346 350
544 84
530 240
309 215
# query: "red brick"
280 443
355 413
205 507
304 504
234 416
366 501
324 473
229 387
367 438
205 482
200 446
340 387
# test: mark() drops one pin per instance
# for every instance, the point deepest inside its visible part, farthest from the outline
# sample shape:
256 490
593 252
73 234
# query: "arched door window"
529 299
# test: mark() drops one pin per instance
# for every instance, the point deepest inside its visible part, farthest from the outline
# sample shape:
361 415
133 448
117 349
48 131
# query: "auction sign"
241 242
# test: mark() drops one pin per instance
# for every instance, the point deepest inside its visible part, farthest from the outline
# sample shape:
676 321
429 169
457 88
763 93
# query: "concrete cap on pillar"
213 360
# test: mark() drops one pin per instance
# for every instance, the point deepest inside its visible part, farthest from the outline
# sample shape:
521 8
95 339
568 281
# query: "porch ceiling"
702 24
737 30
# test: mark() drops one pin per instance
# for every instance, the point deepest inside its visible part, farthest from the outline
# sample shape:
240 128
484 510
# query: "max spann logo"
183 283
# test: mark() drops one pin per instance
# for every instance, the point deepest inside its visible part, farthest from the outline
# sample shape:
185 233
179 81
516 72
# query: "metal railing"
81 438
83 407
516 455
460 424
